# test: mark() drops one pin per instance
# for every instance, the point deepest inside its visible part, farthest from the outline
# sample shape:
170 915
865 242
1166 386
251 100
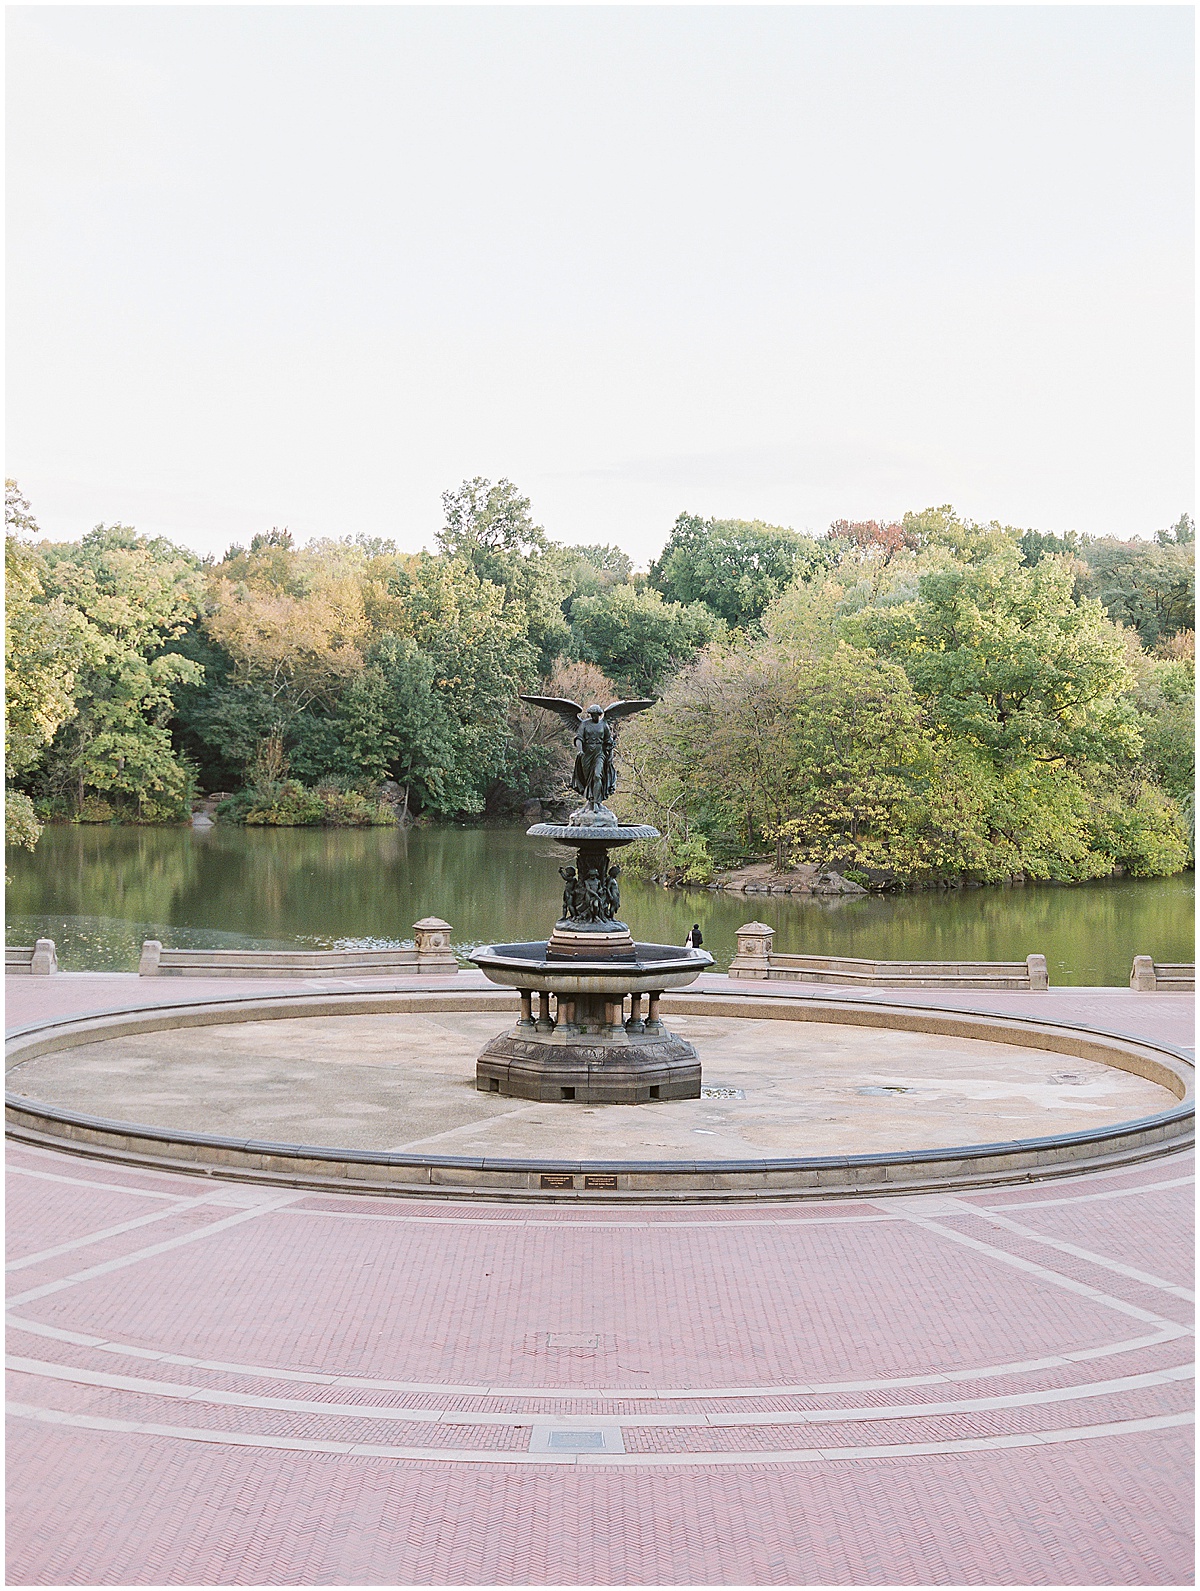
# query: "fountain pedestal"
589 1028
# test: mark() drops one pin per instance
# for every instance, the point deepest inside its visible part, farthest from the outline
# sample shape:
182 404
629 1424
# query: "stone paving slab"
407 1082
300 1388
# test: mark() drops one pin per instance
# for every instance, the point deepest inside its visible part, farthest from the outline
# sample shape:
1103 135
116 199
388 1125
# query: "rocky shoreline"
809 878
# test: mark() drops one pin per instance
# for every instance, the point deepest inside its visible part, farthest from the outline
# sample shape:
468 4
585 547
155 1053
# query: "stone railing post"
151 955
1039 976
44 960
753 959
1142 977
432 937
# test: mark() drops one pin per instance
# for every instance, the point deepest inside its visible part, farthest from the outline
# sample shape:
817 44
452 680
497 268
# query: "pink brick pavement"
226 1384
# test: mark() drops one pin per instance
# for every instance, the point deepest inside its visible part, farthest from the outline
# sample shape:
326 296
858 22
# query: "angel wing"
571 711
616 710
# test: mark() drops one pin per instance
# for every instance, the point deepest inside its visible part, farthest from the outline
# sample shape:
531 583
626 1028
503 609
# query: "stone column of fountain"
591 1038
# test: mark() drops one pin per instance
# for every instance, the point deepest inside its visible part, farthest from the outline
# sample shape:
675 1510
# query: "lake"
98 891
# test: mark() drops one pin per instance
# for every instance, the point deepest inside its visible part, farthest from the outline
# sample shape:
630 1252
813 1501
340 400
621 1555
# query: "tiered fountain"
589 1039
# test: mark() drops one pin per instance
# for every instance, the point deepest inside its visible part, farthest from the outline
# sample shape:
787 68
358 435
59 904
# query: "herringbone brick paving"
434 1335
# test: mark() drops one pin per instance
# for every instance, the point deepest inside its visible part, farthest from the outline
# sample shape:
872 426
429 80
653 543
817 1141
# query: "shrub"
21 826
351 809
1142 829
95 809
288 806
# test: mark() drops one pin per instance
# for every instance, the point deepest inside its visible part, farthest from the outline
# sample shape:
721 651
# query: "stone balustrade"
1162 977
431 952
757 958
38 961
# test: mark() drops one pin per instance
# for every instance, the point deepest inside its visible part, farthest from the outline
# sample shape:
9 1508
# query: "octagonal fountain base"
600 1069
594 1035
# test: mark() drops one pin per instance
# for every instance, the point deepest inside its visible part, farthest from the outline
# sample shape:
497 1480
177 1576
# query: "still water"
99 891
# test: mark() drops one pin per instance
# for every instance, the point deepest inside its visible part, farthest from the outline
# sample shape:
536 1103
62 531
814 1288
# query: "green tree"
822 756
590 571
1008 661
490 528
637 638
46 644
137 594
1165 698
438 688
1150 586
394 723
1136 824
1036 545
943 528
735 566
596 566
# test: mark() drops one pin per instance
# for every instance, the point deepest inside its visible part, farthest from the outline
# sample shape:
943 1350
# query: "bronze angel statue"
595 774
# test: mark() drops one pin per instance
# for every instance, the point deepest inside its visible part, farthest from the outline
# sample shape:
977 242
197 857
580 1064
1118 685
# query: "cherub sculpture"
595 774
571 894
612 893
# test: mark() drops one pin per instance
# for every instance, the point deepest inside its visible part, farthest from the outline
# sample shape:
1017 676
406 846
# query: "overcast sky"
309 266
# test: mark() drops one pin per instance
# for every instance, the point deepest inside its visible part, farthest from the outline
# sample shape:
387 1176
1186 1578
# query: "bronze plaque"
554 1180
601 1179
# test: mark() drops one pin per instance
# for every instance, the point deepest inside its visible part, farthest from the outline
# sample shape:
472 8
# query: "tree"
1009 662
294 625
590 571
883 540
490 528
823 756
1180 534
637 638
605 564
432 706
734 566
966 541
46 643
1150 586
137 595
394 724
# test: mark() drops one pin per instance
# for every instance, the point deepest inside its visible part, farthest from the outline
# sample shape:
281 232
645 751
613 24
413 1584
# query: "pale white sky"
309 266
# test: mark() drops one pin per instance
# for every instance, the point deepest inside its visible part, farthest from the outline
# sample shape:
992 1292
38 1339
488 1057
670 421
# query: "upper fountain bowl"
610 834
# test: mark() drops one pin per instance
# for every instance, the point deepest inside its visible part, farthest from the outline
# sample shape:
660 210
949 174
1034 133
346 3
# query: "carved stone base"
599 1069
595 942
593 817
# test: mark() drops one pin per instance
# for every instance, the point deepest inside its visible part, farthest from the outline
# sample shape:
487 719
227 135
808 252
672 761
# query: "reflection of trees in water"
323 885
139 874
1092 930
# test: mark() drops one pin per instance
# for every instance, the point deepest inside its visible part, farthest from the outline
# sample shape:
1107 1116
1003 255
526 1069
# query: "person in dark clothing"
694 939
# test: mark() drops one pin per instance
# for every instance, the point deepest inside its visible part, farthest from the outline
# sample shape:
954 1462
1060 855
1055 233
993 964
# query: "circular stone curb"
773 1178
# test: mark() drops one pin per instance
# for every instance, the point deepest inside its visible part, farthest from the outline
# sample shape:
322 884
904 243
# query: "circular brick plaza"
230 1383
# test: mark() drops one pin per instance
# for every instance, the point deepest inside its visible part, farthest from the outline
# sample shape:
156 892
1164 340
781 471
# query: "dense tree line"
940 700
918 700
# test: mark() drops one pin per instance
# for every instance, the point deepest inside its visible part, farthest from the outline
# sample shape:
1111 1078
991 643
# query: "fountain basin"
590 1039
649 968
